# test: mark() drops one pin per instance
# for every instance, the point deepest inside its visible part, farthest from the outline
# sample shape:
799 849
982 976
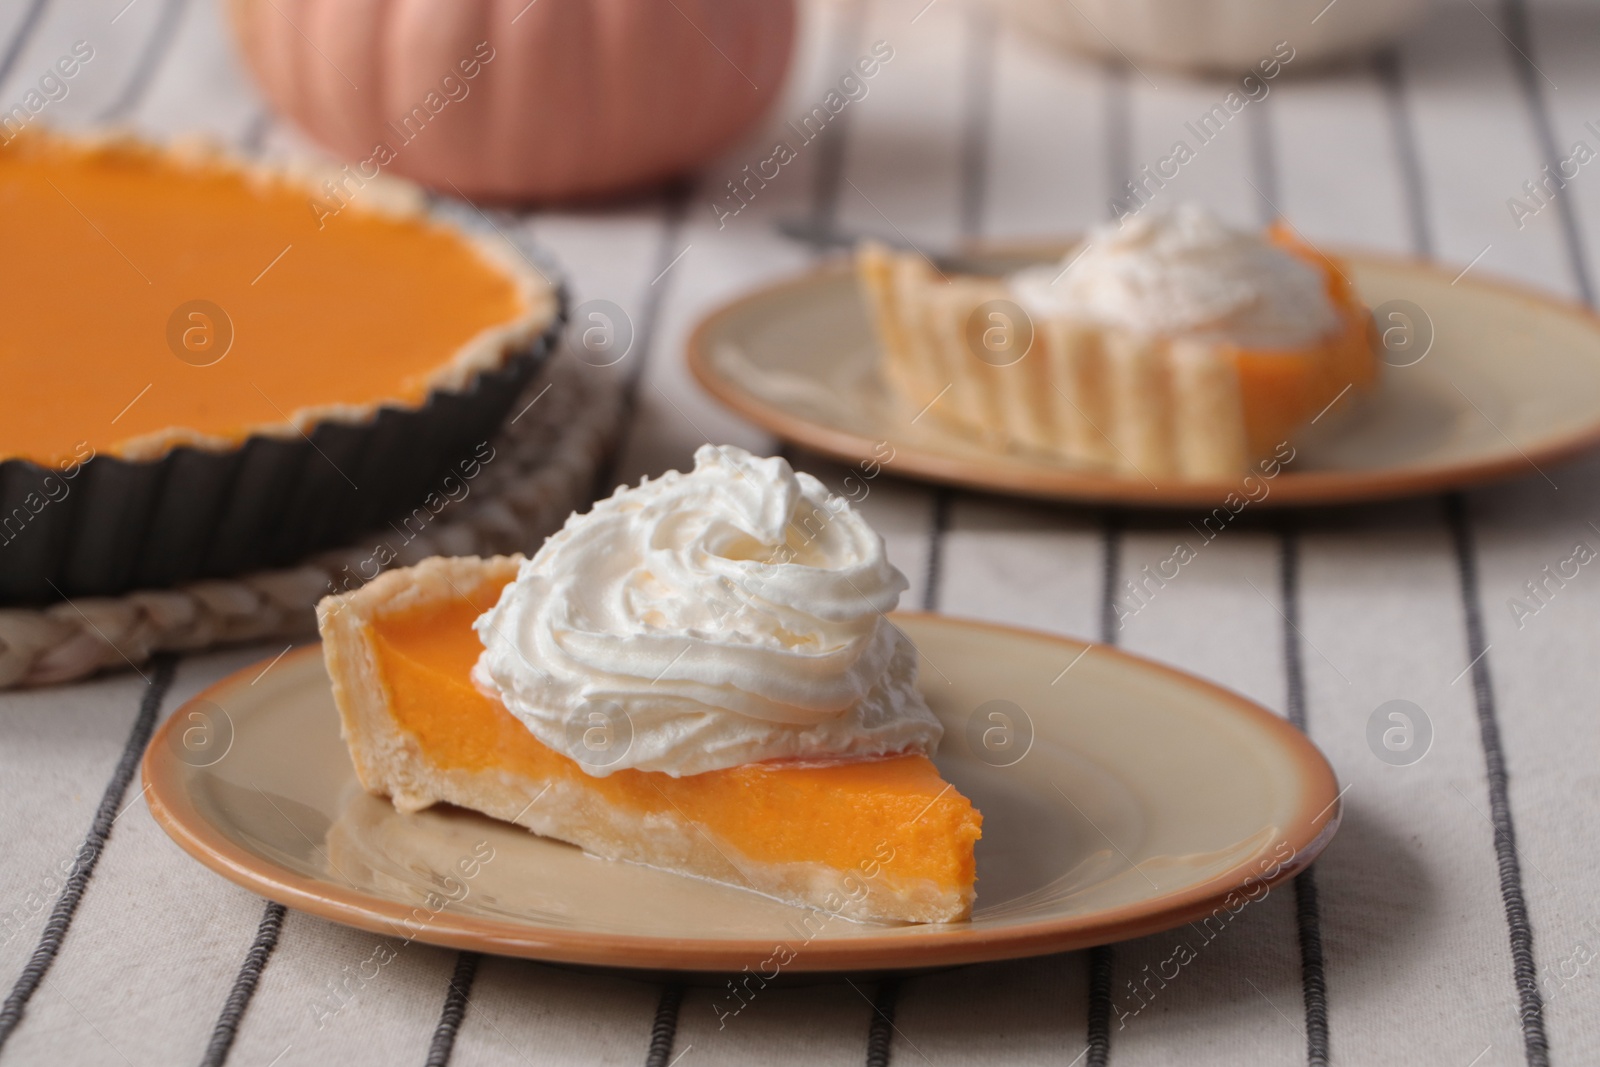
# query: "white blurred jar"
1216 35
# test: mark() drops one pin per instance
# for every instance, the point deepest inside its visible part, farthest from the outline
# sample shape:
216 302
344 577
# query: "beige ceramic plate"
1119 798
1510 384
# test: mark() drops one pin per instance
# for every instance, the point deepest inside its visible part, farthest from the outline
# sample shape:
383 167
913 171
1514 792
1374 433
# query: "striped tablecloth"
1453 919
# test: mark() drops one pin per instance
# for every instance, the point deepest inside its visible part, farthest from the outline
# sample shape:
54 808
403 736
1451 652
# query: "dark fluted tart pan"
110 525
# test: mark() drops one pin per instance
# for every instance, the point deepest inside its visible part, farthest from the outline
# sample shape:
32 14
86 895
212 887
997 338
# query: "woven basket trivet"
543 467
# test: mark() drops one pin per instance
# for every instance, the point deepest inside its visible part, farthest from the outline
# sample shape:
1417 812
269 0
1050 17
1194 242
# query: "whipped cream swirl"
730 615
1184 273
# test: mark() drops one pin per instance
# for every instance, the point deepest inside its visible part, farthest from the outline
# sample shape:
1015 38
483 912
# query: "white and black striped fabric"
1453 921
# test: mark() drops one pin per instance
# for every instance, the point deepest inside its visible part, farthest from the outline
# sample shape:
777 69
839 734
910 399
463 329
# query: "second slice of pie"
1168 346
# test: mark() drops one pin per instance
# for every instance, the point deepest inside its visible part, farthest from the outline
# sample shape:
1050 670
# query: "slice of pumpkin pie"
1166 346
697 675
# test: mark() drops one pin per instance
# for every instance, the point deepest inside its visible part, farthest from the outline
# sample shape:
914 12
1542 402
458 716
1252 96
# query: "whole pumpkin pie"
261 351
697 675
1166 346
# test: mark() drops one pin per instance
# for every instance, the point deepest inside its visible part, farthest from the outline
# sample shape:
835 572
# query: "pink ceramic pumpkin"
519 100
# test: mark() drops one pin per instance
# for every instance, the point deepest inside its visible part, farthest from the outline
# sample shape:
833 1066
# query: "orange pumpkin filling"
842 816
105 244
1281 389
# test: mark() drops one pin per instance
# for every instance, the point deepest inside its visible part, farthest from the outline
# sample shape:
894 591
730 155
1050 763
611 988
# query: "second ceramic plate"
1119 798
1508 382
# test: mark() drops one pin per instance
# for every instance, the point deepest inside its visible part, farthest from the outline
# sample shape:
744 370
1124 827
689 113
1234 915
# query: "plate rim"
997 473
172 810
